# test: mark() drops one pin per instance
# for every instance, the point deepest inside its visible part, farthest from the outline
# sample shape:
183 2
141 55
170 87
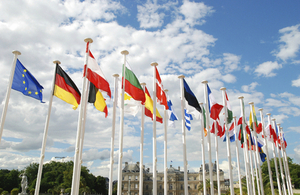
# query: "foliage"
55 176
4 192
207 181
14 191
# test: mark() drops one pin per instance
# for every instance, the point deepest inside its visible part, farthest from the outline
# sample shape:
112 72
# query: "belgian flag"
65 88
95 97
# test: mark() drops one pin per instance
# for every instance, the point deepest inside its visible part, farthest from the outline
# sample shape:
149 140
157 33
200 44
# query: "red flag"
160 93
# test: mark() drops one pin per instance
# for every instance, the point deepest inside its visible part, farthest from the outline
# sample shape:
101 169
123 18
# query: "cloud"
231 62
266 69
296 83
249 88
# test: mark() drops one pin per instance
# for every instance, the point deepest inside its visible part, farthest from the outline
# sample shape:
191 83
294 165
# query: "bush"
14 191
1 190
4 192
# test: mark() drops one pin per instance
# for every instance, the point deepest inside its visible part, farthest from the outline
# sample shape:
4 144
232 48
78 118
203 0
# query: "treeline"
56 176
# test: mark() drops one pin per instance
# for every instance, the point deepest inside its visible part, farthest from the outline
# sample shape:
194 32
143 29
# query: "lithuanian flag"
65 88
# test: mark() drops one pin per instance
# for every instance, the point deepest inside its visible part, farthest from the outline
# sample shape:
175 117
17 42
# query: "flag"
214 107
262 155
65 89
95 75
149 107
271 132
131 106
172 115
188 118
231 134
192 104
133 86
204 118
258 127
25 82
284 141
95 97
229 110
160 93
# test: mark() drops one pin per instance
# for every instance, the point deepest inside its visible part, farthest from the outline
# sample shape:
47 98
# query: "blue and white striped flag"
188 118
172 115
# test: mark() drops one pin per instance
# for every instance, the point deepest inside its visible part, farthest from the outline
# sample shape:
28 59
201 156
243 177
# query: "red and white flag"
160 93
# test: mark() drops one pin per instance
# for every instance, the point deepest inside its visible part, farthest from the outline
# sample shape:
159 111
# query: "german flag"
65 88
95 97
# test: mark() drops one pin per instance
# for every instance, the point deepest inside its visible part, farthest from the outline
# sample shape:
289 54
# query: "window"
170 187
160 187
129 177
136 186
136 177
161 178
146 187
195 186
195 178
123 178
181 186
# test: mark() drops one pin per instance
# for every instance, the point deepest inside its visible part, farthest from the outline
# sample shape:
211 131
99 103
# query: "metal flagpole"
275 158
208 139
40 170
203 150
16 53
125 52
217 158
154 64
251 166
141 180
223 89
256 152
112 140
183 134
165 151
81 120
266 150
246 154
237 156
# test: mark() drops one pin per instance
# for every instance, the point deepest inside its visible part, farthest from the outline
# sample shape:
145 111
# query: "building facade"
131 172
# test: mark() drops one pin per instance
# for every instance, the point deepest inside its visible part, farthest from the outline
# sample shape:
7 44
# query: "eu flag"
26 83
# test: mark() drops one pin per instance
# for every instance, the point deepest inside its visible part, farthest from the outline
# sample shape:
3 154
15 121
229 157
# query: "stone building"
130 183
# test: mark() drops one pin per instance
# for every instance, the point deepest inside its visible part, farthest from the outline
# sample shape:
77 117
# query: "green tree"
14 191
207 181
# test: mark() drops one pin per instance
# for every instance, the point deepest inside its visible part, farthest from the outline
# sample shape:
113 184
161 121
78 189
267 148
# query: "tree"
207 181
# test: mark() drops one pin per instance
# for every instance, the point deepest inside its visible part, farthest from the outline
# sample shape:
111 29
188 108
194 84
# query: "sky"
249 47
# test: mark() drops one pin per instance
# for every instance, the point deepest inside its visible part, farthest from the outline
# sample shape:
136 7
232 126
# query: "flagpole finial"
268 114
223 88
278 124
260 109
241 97
273 119
56 62
124 52
143 84
115 75
251 103
154 64
200 103
88 40
234 117
166 90
181 76
204 82
16 52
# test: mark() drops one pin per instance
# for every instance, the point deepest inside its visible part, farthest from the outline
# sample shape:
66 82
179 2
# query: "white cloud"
296 83
148 15
231 62
249 88
266 69
291 42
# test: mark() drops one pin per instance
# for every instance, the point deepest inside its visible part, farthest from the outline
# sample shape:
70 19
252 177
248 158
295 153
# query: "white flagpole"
256 171
266 150
112 141
165 151
246 154
280 163
287 168
154 64
237 156
258 176
183 134
203 151
251 166
141 180
125 52
40 170
217 158
223 89
208 139
81 120
275 158
12 73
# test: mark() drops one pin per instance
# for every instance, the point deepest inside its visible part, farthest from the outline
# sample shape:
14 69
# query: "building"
130 180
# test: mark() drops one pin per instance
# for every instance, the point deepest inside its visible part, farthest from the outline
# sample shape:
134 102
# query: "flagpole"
217 158
255 170
125 52
223 89
203 151
246 154
165 152
274 155
284 178
280 163
287 166
251 165
154 64
208 139
256 152
112 141
181 77
40 170
266 151
81 120
237 156
141 180
16 53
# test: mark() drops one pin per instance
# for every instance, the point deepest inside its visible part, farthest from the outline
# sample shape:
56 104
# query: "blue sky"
249 47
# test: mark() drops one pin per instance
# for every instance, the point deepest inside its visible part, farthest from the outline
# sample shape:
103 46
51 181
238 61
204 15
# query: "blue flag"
26 83
172 115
